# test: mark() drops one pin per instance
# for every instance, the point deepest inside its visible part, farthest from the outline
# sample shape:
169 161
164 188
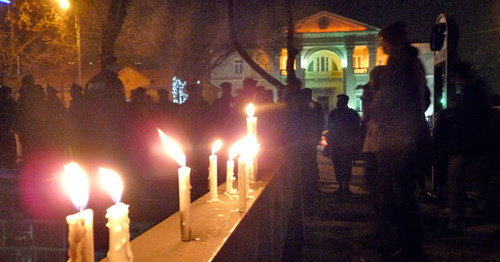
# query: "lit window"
322 64
360 59
238 66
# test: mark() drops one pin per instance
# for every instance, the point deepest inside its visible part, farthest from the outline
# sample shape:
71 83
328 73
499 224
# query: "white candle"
242 185
252 132
185 202
229 176
233 152
119 233
81 232
184 184
212 170
251 121
81 236
118 220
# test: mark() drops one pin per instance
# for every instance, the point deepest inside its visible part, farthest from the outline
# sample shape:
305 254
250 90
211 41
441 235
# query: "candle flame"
77 185
172 148
250 110
249 147
234 151
112 182
216 146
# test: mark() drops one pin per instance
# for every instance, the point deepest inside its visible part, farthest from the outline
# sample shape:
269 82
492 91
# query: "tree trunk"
244 54
116 16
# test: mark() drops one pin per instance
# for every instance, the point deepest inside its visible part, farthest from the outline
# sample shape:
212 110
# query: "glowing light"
64 4
343 62
250 110
249 147
178 90
234 151
173 149
112 182
216 146
5 1
77 185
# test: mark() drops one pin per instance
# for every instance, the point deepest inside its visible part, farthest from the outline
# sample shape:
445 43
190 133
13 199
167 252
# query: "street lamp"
64 4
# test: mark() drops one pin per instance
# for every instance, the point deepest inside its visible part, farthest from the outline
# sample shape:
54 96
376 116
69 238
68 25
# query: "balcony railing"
361 70
324 75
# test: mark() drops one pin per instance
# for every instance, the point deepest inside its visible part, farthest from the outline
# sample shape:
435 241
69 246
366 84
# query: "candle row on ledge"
81 235
247 149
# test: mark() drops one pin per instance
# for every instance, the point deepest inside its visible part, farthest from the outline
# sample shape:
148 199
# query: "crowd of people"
400 152
101 127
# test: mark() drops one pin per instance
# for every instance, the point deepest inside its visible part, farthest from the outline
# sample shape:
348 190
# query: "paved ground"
341 228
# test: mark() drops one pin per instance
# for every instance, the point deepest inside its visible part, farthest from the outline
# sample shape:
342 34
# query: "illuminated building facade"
337 53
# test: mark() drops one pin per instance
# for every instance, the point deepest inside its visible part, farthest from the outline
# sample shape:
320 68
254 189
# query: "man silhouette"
342 138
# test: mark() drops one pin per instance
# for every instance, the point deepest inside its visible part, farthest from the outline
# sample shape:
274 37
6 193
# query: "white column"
372 52
349 88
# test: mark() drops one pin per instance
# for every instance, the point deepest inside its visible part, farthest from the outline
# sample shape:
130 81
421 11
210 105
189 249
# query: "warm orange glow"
112 182
381 57
64 4
250 110
216 146
234 151
327 22
77 185
361 59
172 148
283 61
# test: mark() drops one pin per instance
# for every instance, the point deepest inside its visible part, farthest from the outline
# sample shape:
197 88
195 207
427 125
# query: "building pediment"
326 22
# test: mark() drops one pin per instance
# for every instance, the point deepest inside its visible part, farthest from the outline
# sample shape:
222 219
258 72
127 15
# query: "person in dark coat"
54 121
165 109
104 100
462 133
74 118
342 138
404 144
30 116
7 117
194 117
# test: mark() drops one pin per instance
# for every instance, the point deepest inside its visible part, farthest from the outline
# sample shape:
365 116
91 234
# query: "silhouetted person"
7 118
165 110
104 100
194 117
30 116
54 121
404 144
222 105
313 120
342 138
75 120
462 133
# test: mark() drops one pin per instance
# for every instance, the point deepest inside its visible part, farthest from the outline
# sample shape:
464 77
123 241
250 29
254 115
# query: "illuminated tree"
35 37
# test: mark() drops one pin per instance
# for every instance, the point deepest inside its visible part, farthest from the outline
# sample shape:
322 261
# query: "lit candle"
252 132
81 232
233 152
118 220
249 150
242 185
251 121
184 184
212 170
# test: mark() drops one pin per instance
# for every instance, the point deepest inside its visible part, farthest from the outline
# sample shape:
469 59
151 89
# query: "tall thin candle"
212 169
233 152
184 184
